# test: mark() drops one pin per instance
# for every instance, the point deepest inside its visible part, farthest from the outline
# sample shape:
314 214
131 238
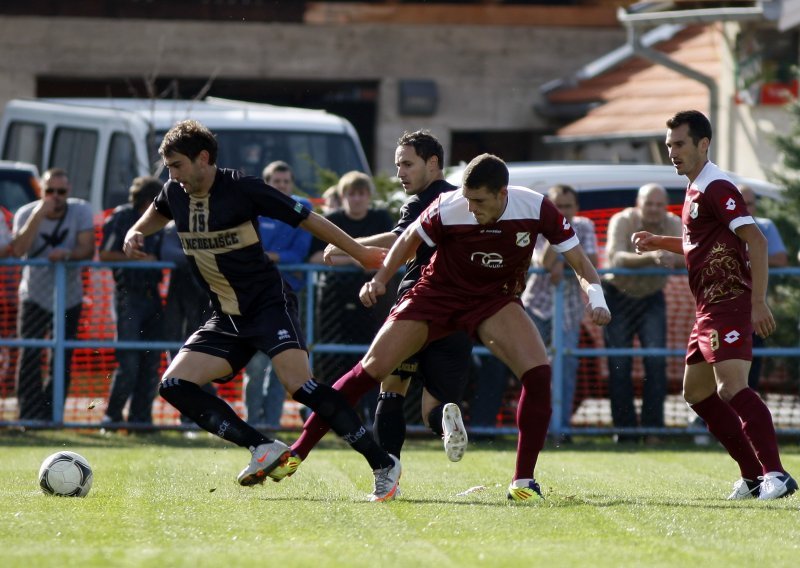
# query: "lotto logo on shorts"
731 337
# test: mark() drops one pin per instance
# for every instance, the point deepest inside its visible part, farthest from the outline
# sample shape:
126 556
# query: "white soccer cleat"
744 489
455 435
777 484
266 457
387 482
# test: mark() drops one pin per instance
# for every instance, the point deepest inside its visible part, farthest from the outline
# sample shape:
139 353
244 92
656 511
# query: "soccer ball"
67 474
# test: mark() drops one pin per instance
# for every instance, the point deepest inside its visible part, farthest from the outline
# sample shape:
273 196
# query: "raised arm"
403 249
648 242
589 280
368 256
151 222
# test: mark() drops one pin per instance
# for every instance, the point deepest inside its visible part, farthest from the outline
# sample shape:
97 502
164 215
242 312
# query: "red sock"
758 427
533 417
723 422
353 385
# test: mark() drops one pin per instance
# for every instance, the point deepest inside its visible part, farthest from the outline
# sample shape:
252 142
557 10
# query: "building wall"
487 76
745 131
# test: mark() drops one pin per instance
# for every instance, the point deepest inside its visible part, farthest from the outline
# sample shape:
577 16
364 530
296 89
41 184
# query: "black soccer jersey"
219 235
409 213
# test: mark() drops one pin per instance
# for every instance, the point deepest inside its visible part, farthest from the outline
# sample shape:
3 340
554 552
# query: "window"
24 143
120 170
75 150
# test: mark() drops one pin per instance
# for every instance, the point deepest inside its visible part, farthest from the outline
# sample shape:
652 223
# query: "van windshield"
306 152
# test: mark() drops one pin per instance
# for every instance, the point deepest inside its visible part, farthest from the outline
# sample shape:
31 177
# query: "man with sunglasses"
58 228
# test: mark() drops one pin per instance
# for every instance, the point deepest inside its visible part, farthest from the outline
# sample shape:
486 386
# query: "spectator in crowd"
7 299
726 255
639 308
138 308
58 228
777 257
5 236
331 201
340 317
264 395
538 295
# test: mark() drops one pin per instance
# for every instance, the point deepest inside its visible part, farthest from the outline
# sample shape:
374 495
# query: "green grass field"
160 500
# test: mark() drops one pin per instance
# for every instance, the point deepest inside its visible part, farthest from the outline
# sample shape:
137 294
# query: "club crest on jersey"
523 239
694 210
730 204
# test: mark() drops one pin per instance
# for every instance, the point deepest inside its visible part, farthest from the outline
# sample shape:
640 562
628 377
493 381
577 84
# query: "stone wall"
487 76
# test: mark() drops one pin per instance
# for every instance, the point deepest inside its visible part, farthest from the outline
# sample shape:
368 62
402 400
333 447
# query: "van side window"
24 143
120 170
75 150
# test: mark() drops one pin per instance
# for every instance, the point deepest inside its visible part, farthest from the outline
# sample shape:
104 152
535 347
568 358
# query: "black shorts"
442 366
273 328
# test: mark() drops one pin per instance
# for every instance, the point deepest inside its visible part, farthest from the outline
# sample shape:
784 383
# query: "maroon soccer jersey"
488 260
717 260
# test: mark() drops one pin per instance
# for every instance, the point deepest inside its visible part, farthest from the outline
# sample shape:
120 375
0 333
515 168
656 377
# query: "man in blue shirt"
264 395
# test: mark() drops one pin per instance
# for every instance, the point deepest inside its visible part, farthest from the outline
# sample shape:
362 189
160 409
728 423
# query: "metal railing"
557 351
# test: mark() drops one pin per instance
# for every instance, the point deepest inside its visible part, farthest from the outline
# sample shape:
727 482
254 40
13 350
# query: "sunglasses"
59 191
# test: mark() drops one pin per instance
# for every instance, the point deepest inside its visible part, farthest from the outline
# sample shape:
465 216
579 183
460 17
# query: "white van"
608 186
105 143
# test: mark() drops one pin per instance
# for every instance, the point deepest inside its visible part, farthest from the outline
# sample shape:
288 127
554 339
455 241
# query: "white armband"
596 297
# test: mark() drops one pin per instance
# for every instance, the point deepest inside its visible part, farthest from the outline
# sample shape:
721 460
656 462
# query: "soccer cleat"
745 489
285 469
387 481
776 484
455 435
524 490
266 457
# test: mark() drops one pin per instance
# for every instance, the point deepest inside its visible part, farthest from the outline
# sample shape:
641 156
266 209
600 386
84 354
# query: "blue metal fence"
561 424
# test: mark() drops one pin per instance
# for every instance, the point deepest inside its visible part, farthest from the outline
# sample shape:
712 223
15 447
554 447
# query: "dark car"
19 184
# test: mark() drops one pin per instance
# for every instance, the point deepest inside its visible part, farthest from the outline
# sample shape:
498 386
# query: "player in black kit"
443 365
216 215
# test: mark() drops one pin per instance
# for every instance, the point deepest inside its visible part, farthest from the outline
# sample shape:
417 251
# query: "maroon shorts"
446 312
720 337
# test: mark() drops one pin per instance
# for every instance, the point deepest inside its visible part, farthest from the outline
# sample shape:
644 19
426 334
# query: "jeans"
34 396
646 318
264 394
139 318
569 377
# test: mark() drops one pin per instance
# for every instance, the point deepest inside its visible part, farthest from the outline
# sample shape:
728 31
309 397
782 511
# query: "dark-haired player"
216 214
443 365
484 236
726 255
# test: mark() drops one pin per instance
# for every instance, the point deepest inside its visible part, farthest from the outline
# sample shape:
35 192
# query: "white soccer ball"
67 474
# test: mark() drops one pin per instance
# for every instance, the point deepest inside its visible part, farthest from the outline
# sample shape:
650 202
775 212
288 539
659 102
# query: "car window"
120 170
16 189
75 150
24 143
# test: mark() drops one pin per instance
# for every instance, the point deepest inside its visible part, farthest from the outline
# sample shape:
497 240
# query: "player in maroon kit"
726 255
484 236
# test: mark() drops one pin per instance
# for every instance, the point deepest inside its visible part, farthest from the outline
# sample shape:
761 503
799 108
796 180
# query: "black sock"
390 422
331 406
435 420
211 413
